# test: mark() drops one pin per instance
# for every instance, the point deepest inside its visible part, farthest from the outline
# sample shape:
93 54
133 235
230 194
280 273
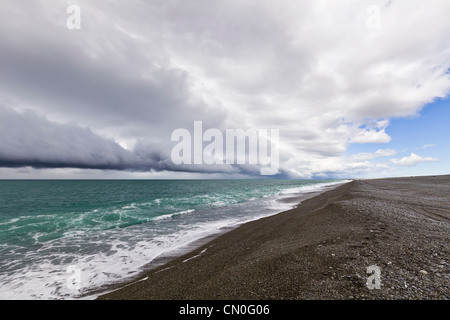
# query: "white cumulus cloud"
412 160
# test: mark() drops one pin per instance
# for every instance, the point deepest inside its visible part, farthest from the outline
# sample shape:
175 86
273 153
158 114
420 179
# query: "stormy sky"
334 77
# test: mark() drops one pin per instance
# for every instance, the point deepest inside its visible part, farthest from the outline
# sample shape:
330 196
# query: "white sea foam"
311 188
130 206
14 220
171 215
125 255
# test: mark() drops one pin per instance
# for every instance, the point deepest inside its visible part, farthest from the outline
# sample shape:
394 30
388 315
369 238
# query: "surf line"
196 256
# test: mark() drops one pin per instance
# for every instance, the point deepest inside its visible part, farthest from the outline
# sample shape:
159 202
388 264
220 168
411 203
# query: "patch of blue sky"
426 134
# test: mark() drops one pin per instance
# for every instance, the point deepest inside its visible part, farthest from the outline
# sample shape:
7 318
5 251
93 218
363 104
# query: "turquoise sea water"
60 239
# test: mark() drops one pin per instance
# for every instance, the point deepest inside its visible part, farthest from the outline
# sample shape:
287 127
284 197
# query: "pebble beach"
322 249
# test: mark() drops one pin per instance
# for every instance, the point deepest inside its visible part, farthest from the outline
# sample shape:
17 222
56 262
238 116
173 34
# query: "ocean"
64 239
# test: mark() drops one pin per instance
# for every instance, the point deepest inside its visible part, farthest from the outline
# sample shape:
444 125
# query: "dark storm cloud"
29 140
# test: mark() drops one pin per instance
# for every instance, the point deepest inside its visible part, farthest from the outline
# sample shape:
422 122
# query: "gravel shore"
322 249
